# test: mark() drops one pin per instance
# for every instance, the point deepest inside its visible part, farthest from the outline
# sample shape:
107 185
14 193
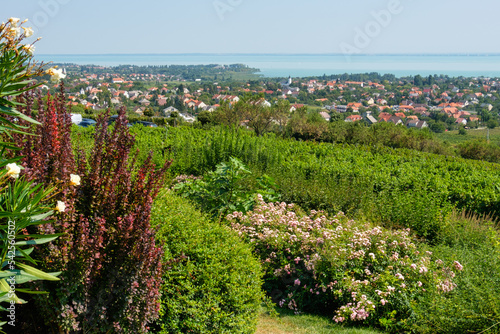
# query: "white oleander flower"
55 74
13 170
14 21
15 32
60 207
30 49
74 180
28 32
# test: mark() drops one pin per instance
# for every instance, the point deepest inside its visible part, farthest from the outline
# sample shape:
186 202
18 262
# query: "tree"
259 117
438 127
204 117
281 113
149 112
492 123
335 117
181 89
418 81
179 104
227 114
485 115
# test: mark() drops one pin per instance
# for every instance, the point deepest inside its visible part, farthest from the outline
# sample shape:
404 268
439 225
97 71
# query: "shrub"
23 205
474 306
226 189
479 150
213 283
111 266
355 271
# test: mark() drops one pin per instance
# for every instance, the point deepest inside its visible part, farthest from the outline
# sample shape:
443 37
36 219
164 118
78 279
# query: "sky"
260 26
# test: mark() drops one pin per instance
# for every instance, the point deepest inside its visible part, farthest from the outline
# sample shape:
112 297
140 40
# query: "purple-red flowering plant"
111 266
358 272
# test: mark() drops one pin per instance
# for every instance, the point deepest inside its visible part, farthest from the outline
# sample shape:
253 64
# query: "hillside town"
437 102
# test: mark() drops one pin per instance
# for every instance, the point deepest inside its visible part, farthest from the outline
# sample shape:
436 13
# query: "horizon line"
470 54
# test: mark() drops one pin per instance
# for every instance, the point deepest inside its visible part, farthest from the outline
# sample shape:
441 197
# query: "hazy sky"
261 26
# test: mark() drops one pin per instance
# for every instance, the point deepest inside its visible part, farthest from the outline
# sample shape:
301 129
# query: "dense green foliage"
397 187
212 284
474 306
394 187
227 189
480 150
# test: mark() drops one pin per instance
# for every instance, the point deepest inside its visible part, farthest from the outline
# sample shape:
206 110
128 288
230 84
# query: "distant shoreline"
282 54
305 65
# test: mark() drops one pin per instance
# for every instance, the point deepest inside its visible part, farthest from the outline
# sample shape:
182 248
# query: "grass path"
288 323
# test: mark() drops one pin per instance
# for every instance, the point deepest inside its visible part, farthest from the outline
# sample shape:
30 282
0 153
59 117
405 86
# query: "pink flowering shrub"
352 270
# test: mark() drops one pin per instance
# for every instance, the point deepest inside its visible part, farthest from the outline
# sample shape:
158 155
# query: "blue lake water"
276 65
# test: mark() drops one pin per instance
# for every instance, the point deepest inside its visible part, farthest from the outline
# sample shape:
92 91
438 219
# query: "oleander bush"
212 283
24 205
353 271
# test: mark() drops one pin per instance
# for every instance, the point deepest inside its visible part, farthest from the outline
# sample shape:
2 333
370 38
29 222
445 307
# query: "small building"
325 116
353 118
416 124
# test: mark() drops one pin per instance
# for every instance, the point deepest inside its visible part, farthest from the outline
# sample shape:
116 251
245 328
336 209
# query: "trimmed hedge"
212 283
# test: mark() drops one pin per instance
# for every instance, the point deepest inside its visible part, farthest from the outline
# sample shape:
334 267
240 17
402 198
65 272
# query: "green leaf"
35 241
8 273
38 218
25 278
37 273
31 292
4 287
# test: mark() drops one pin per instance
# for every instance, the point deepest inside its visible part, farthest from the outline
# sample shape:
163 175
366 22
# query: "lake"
302 65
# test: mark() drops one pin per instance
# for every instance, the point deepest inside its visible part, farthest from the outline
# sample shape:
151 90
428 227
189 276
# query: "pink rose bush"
355 271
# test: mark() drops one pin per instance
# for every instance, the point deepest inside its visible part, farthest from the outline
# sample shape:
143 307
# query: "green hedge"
212 282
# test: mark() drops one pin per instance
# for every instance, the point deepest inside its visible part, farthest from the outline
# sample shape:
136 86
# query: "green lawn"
288 323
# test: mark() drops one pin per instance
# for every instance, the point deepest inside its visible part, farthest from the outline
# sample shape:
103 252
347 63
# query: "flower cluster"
13 170
14 32
361 272
355 311
55 74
